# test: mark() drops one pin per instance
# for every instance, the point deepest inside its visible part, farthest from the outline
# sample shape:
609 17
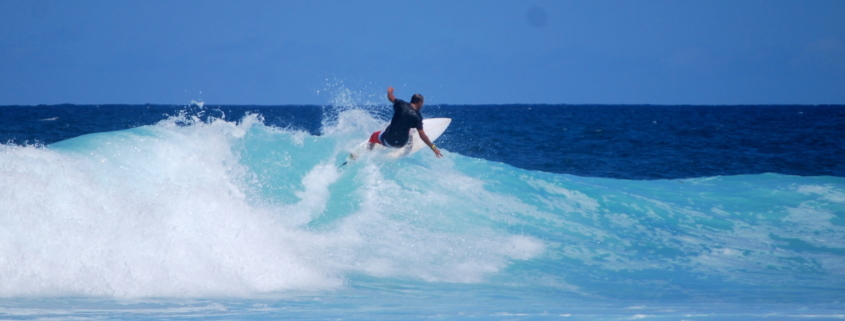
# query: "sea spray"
153 211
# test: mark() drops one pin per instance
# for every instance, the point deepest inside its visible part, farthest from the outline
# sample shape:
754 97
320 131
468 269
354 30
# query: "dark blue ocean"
536 212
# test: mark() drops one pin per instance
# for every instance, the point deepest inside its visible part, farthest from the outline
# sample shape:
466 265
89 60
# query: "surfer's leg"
409 146
374 139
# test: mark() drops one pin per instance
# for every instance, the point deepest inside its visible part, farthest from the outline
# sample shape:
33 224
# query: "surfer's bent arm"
428 142
390 96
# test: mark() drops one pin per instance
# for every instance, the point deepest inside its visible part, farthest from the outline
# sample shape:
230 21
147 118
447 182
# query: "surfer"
405 116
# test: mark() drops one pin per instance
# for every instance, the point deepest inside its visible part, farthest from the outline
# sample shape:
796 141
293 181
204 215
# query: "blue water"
576 213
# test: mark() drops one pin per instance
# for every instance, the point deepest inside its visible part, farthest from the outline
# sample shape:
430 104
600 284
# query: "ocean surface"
536 212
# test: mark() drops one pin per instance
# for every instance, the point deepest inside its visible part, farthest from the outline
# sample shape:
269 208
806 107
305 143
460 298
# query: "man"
405 116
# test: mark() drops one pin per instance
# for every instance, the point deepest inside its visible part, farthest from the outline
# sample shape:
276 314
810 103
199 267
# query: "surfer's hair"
417 98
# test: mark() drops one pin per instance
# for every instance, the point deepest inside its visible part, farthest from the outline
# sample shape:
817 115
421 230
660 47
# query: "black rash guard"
405 117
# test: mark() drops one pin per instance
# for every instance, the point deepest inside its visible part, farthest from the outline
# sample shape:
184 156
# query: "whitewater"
196 217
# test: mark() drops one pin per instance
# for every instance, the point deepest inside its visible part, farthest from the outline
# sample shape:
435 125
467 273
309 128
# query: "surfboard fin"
348 158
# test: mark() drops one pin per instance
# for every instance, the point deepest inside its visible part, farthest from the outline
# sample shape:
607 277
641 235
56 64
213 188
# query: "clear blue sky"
453 52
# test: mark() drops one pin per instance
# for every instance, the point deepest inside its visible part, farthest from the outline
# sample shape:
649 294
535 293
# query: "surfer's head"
417 99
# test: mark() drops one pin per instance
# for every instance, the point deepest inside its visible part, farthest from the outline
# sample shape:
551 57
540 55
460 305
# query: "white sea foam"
828 192
175 210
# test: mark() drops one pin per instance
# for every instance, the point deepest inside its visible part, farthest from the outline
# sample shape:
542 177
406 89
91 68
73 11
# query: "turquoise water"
239 220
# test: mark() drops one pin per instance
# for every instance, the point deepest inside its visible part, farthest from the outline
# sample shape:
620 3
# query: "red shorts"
374 138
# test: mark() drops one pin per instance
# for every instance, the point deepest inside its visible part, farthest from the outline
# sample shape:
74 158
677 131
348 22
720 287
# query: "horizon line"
203 105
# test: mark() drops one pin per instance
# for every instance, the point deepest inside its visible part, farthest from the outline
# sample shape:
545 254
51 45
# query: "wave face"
191 208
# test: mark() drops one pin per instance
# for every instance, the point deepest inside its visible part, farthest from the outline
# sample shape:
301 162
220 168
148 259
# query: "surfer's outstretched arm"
390 96
428 142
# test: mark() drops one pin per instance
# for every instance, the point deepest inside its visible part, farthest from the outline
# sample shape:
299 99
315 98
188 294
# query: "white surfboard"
434 127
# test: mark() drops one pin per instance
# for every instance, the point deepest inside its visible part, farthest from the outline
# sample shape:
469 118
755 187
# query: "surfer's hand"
437 152
390 95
